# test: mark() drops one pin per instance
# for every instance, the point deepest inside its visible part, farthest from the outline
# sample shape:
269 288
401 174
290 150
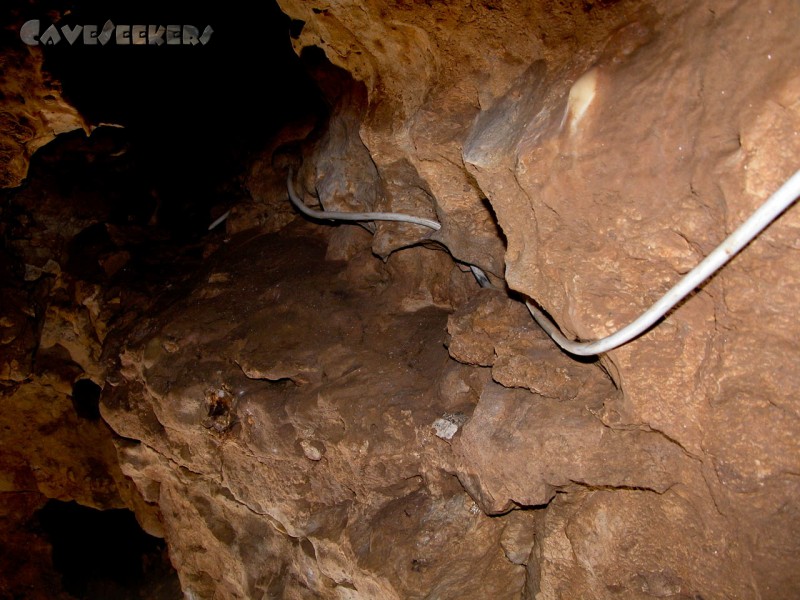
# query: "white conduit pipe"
766 213
480 276
346 216
758 221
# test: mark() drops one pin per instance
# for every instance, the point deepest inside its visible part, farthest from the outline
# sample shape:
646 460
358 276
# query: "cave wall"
618 143
34 110
341 412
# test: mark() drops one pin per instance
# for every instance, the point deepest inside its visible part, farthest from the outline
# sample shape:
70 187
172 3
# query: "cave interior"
207 394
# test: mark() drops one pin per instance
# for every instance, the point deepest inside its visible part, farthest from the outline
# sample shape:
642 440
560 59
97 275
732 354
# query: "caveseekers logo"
122 35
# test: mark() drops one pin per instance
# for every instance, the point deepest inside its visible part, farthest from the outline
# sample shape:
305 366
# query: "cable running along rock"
774 206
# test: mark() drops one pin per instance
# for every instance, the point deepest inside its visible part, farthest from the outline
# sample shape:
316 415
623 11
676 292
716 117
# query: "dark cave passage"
86 399
191 115
105 554
106 228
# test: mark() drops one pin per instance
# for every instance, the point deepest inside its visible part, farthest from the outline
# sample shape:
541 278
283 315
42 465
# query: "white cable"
480 276
758 221
219 220
763 216
346 216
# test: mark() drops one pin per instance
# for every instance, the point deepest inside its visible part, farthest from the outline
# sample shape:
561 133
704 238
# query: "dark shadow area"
119 219
192 114
86 399
105 554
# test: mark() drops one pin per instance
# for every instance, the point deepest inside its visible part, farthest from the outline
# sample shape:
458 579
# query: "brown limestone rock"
33 114
284 416
548 446
632 544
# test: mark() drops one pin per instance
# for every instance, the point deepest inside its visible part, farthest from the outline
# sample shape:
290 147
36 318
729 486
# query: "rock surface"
60 305
34 111
341 412
617 144
283 416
